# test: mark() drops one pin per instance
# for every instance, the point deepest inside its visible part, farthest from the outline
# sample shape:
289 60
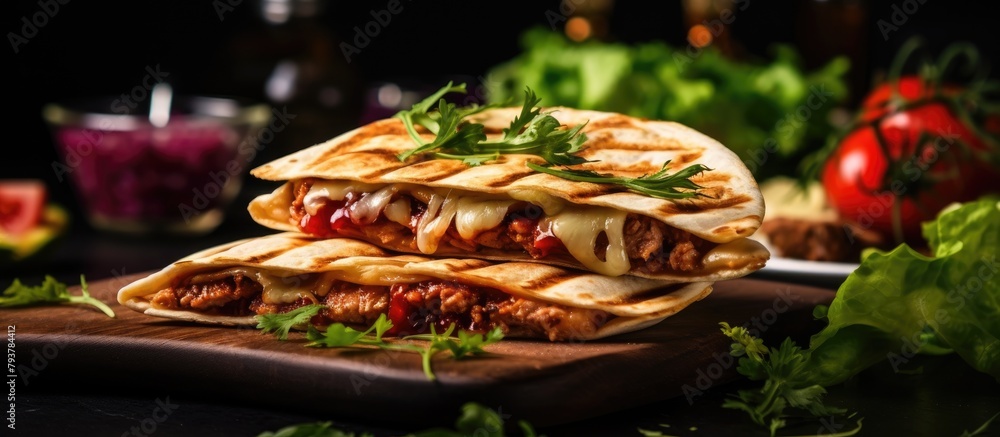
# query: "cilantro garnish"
50 291
476 420
531 132
281 323
786 379
340 335
659 184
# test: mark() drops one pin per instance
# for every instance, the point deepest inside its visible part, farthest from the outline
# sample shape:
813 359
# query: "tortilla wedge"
366 159
628 303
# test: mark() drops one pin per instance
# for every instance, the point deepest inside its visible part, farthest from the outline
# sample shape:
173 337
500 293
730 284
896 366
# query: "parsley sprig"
531 132
476 420
786 381
339 335
50 291
659 184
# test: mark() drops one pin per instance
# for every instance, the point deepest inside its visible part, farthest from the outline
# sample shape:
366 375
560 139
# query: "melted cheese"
475 215
399 212
321 190
578 227
369 207
282 290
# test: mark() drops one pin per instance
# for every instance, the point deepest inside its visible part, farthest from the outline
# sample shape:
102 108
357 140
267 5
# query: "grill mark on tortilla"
466 265
710 176
646 295
258 258
317 263
686 158
509 178
592 190
378 128
551 279
606 140
357 160
433 170
681 207
612 122
379 172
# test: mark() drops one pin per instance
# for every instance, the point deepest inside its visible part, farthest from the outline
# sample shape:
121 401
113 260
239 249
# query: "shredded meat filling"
651 245
414 308
442 303
211 297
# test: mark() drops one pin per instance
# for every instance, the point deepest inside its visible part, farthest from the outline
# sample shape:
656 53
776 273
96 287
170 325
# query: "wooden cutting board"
545 383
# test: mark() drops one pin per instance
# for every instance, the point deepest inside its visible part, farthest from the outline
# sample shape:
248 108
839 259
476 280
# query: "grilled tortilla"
357 281
354 186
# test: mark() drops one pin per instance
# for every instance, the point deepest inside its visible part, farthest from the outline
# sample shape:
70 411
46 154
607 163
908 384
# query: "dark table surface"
944 399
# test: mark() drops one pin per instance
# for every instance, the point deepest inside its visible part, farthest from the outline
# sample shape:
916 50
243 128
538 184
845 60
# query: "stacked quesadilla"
431 241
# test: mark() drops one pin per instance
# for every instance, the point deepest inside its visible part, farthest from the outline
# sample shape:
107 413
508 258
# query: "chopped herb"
530 133
49 292
982 428
318 429
476 420
786 381
281 323
340 335
659 184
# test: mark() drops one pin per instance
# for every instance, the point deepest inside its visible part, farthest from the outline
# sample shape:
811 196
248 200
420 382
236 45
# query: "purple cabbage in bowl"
131 176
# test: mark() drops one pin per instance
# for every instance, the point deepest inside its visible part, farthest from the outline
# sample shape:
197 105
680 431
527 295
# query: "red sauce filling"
334 217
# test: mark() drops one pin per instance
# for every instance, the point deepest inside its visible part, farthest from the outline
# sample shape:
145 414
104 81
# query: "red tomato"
928 159
21 205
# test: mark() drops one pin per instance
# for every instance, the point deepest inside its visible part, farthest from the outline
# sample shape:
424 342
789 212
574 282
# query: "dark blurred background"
240 47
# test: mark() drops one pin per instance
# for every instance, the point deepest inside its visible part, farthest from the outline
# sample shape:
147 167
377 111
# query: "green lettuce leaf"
771 112
901 303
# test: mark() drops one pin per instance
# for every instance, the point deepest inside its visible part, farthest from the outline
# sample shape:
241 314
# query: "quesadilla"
357 281
355 186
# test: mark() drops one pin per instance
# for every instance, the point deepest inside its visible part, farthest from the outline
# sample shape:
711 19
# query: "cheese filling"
577 227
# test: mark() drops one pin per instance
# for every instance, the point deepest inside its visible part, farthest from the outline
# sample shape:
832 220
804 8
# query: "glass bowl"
176 176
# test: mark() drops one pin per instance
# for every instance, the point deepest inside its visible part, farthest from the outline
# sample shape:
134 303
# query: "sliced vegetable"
21 205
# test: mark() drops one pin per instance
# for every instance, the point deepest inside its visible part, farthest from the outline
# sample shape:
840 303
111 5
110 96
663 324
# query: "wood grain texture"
545 383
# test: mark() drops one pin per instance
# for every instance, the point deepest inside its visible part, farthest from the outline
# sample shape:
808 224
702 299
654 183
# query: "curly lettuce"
770 112
900 303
